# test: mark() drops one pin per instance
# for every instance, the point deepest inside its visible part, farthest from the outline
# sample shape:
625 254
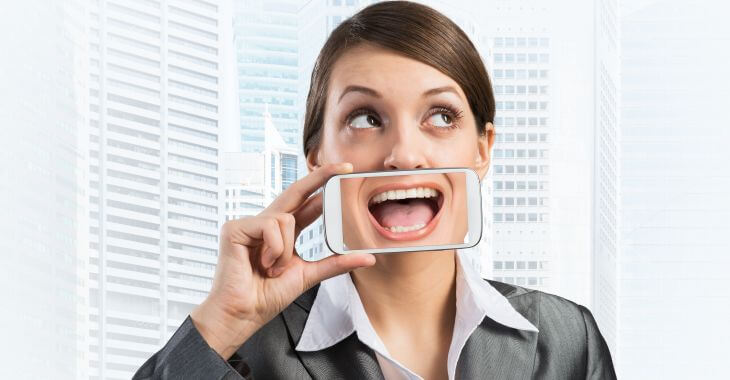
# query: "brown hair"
416 31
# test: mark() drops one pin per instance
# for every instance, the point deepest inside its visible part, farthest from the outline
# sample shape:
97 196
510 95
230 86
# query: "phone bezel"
332 216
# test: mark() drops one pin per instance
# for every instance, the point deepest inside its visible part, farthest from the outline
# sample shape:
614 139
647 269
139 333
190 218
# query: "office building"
266 45
44 190
673 302
155 190
555 71
254 179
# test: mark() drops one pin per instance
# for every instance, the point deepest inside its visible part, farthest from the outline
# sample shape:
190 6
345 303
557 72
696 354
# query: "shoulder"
542 306
562 323
566 330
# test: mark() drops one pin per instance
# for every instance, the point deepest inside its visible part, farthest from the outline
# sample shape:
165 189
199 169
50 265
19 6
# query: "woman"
396 86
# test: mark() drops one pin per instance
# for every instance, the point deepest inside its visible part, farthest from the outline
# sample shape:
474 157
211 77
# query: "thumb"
318 271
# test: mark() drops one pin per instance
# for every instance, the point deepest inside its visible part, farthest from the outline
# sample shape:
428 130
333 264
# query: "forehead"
387 72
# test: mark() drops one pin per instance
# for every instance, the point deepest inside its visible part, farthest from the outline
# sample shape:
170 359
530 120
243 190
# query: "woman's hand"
259 273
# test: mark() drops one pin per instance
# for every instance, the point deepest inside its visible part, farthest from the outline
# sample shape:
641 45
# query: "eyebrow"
371 92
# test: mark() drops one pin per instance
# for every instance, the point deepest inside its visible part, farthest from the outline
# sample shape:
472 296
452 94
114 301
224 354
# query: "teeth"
417 192
406 228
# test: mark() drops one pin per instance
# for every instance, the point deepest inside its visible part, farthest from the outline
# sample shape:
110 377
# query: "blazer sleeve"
599 364
188 356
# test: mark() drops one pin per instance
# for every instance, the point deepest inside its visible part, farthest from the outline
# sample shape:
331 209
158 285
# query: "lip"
410 235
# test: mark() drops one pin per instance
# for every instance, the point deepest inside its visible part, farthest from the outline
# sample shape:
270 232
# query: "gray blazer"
568 346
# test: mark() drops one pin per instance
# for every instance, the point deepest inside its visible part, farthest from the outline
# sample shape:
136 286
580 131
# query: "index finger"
298 192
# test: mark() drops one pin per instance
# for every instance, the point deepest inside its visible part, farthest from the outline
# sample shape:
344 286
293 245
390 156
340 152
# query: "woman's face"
386 112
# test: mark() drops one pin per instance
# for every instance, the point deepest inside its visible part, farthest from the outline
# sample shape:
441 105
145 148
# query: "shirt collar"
337 312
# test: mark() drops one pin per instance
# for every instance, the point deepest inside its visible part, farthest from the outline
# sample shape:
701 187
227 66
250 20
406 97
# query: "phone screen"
404 210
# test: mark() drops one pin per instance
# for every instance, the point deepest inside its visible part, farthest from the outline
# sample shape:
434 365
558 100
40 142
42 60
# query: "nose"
406 150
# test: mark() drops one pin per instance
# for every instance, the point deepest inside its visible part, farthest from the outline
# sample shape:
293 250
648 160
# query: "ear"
313 161
484 150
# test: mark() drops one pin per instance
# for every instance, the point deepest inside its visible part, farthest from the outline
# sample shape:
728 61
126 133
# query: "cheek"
363 153
460 152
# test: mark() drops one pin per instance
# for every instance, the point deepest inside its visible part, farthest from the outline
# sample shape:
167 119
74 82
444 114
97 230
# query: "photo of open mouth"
405 212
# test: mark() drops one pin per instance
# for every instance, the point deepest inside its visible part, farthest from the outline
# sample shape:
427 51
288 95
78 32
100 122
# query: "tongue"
394 213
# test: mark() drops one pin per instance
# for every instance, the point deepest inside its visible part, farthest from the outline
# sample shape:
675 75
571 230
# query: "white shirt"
337 312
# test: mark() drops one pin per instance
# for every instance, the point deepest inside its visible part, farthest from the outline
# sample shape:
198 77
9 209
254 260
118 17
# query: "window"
193 176
196 31
273 174
193 16
192 74
193 118
193 147
193 103
195 60
288 169
193 45
192 132
133 58
336 21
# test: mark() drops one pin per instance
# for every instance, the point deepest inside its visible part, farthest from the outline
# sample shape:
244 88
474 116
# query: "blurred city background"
132 129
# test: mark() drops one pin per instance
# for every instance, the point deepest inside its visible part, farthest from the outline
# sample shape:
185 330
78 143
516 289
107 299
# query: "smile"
405 212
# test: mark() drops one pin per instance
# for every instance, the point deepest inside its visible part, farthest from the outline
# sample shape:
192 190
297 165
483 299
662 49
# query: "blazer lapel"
348 359
495 351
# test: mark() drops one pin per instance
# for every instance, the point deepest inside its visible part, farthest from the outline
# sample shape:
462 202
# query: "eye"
445 117
362 119
441 120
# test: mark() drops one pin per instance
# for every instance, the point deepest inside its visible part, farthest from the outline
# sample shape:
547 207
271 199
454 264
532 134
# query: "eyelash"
454 113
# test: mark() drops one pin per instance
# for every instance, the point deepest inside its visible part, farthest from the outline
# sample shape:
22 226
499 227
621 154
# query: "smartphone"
402 210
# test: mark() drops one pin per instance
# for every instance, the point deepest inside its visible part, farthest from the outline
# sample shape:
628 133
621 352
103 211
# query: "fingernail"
346 166
275 271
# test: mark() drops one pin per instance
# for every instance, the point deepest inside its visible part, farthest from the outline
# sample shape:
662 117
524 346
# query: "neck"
415 290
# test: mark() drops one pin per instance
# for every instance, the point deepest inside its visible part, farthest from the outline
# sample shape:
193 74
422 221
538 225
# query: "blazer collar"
327 316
